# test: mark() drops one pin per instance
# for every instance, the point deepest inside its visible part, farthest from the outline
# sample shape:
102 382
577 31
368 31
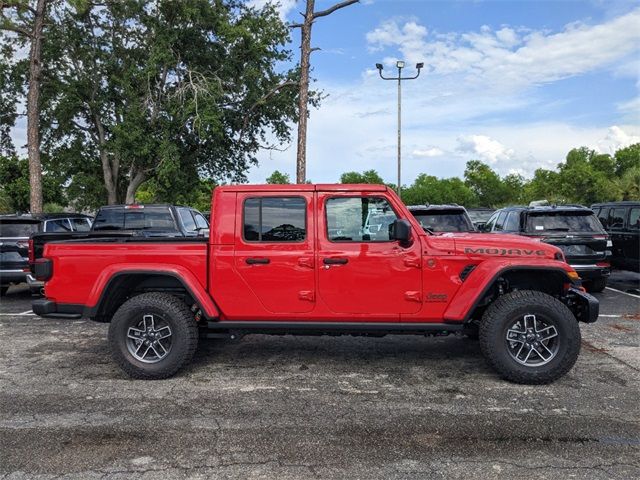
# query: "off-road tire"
184 335
500 315
596 286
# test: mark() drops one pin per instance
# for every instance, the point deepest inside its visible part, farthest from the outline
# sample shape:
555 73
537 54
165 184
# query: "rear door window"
275 219
616 218
201 222
80 224
57 226
634 219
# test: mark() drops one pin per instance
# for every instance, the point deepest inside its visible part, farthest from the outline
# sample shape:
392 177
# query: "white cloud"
511 58
284 7
616 139
485 148
428 152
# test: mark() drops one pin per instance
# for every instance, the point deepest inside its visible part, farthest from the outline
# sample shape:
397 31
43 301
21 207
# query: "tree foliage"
14 186
368 176
278 178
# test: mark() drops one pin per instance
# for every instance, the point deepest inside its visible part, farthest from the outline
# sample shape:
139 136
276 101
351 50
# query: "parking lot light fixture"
399 78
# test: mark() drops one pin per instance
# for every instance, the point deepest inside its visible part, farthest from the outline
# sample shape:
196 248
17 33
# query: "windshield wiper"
557 229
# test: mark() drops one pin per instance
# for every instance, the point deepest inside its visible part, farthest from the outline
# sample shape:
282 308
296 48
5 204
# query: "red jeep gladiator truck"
318 259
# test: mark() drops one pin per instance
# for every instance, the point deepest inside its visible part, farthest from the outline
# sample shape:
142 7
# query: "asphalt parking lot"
316 407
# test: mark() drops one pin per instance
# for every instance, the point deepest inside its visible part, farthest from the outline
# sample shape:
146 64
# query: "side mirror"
482 227
401 230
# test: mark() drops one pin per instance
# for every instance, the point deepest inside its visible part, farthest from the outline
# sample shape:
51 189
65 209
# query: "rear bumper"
19 276
584 306
50 309
591 272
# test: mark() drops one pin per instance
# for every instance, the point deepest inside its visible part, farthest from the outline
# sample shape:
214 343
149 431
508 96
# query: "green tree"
626 158
14 179
278 178
486 184
429 189
368 176
629 184
585 180
544 185
164 91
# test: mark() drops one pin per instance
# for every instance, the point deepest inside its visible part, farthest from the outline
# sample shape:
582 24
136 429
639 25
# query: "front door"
362 270
274 250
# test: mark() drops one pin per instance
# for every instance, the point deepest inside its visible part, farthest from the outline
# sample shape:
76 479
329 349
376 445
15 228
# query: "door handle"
335 261
257 261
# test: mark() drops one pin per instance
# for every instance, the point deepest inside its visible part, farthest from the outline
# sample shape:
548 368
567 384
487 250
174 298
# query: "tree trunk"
135 180
33 110
110 174
303 99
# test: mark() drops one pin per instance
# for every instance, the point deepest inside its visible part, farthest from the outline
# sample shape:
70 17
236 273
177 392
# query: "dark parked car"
622 221
152 220
573 228
480 216
15 231
442 218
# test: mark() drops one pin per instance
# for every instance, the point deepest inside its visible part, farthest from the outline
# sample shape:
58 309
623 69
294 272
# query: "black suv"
573 228
442 218
622 221
152 220
15 231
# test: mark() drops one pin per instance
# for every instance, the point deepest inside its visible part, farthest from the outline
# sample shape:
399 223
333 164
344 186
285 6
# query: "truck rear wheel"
530 337
152 336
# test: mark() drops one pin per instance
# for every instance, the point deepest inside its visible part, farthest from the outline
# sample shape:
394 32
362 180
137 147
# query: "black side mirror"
401 230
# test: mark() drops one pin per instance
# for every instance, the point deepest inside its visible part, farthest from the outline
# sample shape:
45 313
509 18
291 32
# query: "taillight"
43 269
32 252
603 264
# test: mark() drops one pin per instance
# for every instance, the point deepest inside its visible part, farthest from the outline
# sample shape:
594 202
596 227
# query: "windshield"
480 216
563 222
444 221
16 230
148 218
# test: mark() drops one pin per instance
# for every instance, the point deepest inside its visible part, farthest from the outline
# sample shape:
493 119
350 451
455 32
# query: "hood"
494 245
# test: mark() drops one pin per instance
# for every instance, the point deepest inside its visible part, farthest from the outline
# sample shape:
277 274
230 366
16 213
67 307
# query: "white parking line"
610 316
624 293
28 313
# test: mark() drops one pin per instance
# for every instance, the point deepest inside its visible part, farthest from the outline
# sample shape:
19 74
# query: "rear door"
616 226
631 248
361 270
274 249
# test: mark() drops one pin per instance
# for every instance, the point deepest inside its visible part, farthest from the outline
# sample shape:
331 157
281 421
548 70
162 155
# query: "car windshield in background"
148 218
444 221
563 222
17 229
480 216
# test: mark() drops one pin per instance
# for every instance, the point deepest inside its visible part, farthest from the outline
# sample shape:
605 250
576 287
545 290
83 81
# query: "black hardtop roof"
453 206
548 208
38 217
621 203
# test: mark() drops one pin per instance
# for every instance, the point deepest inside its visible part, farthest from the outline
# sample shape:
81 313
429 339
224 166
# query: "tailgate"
580 249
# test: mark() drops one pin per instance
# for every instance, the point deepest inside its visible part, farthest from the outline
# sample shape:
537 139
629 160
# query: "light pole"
399 78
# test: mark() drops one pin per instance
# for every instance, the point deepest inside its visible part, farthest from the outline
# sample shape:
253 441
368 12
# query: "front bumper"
584 306
50 309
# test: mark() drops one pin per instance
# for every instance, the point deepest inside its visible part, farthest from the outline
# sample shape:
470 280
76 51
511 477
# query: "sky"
515 84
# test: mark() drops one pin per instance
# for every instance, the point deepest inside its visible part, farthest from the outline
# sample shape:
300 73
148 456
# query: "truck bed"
82 266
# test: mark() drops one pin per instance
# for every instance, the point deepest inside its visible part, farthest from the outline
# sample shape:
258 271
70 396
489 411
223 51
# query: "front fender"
482 278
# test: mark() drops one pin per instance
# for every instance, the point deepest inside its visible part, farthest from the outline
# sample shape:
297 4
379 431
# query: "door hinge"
413 262
308 295
413 296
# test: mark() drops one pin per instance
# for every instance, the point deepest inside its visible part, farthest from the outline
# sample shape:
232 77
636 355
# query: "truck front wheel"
530 337
152 336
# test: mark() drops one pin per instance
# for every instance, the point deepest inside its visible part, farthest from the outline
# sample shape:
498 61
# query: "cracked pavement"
398 407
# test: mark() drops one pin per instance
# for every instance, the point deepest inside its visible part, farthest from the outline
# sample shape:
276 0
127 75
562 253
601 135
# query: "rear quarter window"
634 218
